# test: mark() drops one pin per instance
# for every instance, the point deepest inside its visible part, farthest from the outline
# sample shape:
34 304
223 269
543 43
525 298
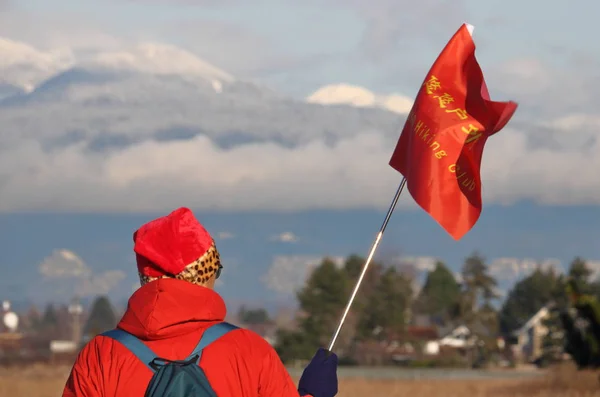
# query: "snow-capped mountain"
156 91
140 72
23 67
345 94
161 59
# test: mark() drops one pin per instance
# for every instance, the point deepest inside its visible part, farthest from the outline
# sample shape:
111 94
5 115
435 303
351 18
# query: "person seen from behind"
173 341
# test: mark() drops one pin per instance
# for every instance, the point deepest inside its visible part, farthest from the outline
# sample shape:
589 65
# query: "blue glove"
319 378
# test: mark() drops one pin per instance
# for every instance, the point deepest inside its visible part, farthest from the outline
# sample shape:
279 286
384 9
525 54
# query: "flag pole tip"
470 28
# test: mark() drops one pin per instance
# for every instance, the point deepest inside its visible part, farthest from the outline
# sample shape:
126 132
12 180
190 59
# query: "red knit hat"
177 246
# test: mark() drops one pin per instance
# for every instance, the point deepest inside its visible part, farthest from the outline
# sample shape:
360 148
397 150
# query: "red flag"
440 148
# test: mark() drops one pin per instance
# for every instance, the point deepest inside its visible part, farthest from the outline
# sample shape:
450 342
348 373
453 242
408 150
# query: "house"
400 347
529 338
455 338
460 337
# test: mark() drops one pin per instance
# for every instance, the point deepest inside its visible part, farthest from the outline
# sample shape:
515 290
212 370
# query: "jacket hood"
167 308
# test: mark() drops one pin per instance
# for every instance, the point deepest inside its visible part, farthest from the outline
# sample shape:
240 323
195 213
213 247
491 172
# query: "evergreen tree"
479 285
353 266
253 316
360 312
102 317
440 293
50 317
581 273
293 345
553 343
595 289
387 306
478 289
34 319
321 301
527 297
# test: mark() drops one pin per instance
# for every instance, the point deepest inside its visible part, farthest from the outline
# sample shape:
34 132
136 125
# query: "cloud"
525 76
67 272
285 237
393 25
225 235
63 263
127 142
512 269
458 276
202 3
250 50
25 66
269 176
57 30
415 267
242 50
231 46
500 293
505 270
336 94
100 284
419 263
594 266
287 274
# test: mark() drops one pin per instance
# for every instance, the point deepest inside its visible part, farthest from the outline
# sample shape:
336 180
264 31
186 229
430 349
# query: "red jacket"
170 316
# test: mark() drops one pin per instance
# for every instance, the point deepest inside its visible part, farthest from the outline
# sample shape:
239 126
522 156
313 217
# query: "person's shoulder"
90 355
241 332
100 346
247 337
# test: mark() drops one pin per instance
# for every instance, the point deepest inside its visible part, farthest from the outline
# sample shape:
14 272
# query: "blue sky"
542 195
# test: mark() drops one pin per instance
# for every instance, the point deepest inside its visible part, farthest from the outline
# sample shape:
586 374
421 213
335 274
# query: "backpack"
174 378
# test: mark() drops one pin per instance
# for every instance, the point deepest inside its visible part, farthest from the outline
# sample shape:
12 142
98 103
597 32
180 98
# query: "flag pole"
367 263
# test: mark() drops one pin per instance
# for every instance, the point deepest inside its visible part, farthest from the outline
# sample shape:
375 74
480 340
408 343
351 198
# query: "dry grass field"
45 381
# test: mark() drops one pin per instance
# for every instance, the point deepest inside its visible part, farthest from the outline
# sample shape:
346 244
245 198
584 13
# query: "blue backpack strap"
136 346
210 335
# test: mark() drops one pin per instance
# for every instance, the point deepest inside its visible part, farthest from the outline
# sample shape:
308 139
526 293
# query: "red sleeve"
84 380
275 381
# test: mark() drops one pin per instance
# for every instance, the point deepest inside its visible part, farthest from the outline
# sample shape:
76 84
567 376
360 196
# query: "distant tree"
581 273
478 289
33 319
361 307
488 315
595 289
396 291
440 293
321 301
553 343
102 317
387 305
527 297
353 266
293 345
323 298
50 317
253 316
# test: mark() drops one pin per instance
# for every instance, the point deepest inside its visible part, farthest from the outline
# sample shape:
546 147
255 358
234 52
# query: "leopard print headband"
197 272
